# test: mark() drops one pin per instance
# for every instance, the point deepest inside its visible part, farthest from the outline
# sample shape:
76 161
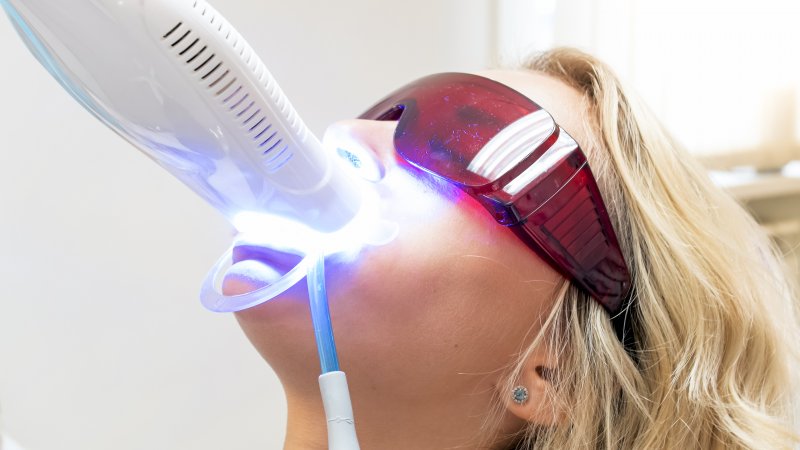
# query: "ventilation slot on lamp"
173 30
234 97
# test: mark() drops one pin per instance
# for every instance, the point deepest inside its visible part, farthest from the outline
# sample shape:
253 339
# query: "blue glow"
284 235
280 233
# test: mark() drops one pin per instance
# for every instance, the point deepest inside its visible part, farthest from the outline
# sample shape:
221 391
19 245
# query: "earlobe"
531 399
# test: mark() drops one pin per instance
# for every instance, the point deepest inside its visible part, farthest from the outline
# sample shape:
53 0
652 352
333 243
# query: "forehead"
562 101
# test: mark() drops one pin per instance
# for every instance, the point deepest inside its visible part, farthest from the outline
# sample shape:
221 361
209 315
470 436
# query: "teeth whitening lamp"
175 79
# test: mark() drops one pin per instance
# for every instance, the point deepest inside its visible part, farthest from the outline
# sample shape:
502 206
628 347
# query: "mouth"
267 255
254 267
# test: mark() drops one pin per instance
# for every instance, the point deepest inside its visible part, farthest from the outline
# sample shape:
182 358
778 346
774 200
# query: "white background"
103 343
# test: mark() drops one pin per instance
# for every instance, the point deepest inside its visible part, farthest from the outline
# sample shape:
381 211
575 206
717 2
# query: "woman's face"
448 303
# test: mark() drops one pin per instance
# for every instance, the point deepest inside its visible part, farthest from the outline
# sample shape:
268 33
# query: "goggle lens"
446 122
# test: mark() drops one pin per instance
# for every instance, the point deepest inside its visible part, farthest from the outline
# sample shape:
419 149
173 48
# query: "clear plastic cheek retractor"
175 79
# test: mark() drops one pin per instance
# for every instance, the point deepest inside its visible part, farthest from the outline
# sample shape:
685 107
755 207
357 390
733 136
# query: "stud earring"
520 395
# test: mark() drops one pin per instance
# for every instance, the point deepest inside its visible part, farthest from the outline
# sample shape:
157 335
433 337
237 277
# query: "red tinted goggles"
509 154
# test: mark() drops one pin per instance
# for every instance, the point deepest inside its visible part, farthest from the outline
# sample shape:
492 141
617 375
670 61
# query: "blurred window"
724 76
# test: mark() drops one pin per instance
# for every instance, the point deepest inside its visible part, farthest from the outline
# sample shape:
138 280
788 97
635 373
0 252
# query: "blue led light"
280 233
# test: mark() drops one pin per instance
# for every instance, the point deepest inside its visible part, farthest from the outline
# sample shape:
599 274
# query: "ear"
538 377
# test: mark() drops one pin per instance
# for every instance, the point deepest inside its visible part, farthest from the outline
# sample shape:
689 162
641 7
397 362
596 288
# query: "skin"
425 325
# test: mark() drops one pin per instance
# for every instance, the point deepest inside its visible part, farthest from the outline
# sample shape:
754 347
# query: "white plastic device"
174 78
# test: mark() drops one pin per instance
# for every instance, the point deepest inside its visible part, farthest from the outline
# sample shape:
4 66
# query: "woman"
458 335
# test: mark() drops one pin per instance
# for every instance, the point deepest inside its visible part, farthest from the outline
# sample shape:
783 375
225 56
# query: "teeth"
279 260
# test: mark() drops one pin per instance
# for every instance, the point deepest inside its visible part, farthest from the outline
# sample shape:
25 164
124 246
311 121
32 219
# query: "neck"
391 423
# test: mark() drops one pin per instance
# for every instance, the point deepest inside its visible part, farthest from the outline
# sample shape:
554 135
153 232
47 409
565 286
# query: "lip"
254 267
247 276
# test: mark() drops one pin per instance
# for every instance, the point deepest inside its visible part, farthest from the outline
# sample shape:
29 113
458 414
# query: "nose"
367 144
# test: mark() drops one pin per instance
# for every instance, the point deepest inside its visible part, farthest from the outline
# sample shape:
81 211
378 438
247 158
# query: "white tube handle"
338 412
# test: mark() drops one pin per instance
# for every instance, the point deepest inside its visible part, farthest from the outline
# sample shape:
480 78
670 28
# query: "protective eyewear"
508 153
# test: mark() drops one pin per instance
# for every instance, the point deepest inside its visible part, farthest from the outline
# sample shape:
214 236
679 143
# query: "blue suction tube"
333 382
321 316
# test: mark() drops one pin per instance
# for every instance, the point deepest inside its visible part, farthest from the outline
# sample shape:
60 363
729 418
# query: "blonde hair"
714 315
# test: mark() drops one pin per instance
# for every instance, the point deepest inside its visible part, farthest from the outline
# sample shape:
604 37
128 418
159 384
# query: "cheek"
428 322
459 288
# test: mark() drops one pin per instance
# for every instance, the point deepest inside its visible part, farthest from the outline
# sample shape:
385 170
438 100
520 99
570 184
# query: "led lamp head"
176 80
